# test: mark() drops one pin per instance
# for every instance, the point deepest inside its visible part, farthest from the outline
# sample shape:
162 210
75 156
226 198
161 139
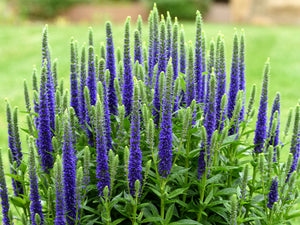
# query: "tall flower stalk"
234 82
165 136
128 80
190 77
91 77
198 57
274 137
60 218
242 82
83 108
49 81
74 79
35 206
161 67
221 86
110 65
69 171
44 141
261 124
4 195
174 53
103 176
135 155
295 143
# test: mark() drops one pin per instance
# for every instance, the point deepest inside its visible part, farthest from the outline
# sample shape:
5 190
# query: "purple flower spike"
209 124
60 195
50 83
169 36
261 124
274 139
273 194
198 57
111 66
165 135
155 35
242 82
128 81
138 52
34 196
102 174
3 194
83 109
203 67
73 78
190 78
150 51
234 82
15 151
106 107
174 53
69 171
211 64
162 62
221 85
182 51
135 155
295 143
44 136
91 77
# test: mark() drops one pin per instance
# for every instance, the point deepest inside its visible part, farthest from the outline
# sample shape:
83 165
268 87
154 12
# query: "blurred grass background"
20 49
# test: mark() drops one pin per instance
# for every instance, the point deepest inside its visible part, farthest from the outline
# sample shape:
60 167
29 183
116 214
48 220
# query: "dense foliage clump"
152 135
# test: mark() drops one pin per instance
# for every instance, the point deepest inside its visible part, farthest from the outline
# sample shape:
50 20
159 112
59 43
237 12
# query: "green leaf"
152 219
220 211
91 210
117 221
169 214
177 192
293 214
226 191
214 179
18 201
155 192
209 197
186 221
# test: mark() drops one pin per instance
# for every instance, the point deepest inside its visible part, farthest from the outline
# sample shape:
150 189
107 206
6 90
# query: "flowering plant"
156 138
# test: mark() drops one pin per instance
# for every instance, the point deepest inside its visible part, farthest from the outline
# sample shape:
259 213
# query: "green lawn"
20 49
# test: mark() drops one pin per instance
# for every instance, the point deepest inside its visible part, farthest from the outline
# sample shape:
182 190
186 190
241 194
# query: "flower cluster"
152 135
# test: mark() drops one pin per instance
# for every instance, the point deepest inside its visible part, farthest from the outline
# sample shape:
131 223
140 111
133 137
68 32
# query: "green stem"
162 199
106 205
134 212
